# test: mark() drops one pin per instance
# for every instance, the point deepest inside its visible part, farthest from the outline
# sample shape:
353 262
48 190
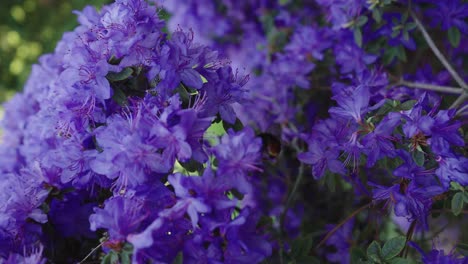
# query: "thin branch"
460 100
438 54
431 87
92 251
338 226
462 110
409 235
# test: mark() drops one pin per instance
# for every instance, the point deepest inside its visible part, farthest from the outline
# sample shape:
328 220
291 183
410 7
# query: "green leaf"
119 97
374 252
418 157
457 203
237 126
125 258
301 246
454 36
407 105
463 249
307 260
393 246
465 197
361 21
119 76
410 26
386 108
376 15
399 261
179 259
401 54
357 255
456 186
357 36
111 258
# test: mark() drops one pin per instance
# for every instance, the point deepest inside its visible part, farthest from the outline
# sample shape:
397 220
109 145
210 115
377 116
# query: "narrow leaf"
454 36
357 36
457 203
119 76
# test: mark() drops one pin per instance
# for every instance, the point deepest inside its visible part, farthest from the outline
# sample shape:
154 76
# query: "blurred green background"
29 28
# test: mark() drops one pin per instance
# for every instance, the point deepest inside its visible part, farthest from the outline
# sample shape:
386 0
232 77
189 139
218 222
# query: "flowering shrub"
133 145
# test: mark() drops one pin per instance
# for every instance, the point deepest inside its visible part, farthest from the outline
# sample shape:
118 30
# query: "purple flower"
436 256
378 143
409 199
237 154
449 13
452 168
121 216
416 122
352 102
341 240
321 158
351 58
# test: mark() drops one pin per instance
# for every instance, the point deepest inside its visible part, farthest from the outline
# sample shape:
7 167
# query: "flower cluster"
130 144
110 141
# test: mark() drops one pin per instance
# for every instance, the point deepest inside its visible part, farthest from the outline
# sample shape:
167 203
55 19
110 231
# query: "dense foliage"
335 135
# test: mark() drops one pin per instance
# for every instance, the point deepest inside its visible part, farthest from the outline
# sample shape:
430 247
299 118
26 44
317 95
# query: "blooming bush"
134 143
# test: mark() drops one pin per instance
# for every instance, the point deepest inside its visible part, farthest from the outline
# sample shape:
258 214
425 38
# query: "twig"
290 199
409 235
438 54
92 251
338 226
462 98
462 110
431 87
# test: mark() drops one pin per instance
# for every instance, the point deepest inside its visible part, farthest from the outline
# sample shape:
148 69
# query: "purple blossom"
379 143
352 102
450 13
322 158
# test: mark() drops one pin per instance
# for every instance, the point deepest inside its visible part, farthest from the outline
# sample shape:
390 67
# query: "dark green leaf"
465 197
307 260
456 186
407 105
376 15
119 76
237 126
301 246
393 246
119 97
357 255
179 259
395 33
374 252
410 26
457 203
111 258
386 108
401 54
418 157
125 258
192 165
399 261
357 36
454 36
361 21
405 35
463 249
